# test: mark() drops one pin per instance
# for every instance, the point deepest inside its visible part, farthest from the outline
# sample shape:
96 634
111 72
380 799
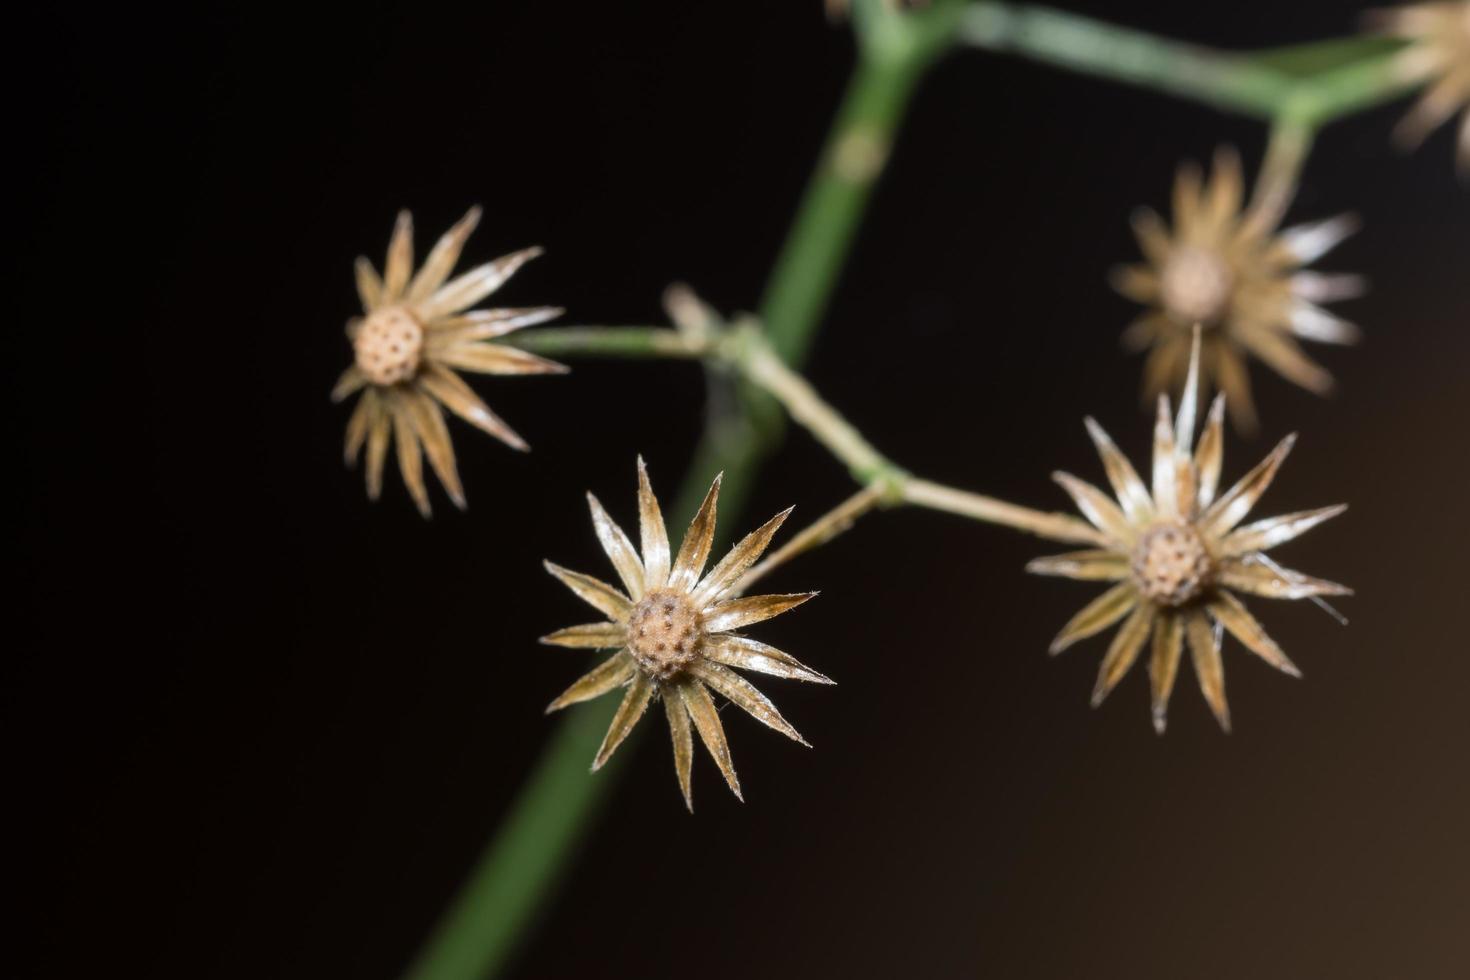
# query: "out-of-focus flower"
1225 268
1178 555
1439 54
416 329
674 632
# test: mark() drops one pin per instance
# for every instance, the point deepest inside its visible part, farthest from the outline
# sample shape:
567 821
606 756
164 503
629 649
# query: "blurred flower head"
1178 554
415 331
1225 268
673 627
1438 54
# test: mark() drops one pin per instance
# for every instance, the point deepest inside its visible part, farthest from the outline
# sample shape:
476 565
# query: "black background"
267 726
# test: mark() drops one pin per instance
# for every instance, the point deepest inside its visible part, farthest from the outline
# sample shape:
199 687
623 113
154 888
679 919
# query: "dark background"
266 726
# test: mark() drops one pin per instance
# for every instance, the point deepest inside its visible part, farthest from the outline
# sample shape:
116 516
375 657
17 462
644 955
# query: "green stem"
516 872
856 152
634 342
493 911
1287 149
1084 45
1348 89
1350 74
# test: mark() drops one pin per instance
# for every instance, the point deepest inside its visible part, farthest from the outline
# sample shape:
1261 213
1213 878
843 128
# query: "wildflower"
1438 53
416 329
1178 556
673 631
1226 270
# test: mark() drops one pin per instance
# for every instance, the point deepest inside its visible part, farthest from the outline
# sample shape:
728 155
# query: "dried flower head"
1178 556
1226 269
674 632
1438 53
415 330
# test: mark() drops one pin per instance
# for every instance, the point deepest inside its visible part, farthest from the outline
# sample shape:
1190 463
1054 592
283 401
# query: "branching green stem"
1298 90
1346 76
1084 45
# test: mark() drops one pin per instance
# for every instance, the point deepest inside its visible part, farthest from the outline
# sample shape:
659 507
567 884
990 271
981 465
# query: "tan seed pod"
1225 268
674 627
1178 554
417 331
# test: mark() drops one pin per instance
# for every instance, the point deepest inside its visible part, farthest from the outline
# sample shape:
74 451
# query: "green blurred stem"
895 51
514 875
497 906
630 342
1344 75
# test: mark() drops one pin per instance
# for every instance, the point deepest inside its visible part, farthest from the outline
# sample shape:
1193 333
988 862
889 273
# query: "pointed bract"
653 538
683 739
1208 668
635 702
606 676
711 732
694 551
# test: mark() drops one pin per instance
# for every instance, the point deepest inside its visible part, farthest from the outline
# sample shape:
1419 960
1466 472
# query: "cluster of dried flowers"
1223 285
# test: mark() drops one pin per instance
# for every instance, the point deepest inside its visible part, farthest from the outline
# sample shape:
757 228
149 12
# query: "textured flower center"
1171 565
388 345
1196 285
664 632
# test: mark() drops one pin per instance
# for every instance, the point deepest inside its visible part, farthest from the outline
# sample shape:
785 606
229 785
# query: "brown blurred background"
266 726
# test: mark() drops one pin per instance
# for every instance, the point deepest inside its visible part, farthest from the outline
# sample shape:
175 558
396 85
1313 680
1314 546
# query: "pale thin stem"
1286 153
936 496
747 351
836 521
635 342
756 359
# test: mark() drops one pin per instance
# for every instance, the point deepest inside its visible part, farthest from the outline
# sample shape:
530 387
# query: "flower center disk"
388 345
1196 285
1171 565
664 633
